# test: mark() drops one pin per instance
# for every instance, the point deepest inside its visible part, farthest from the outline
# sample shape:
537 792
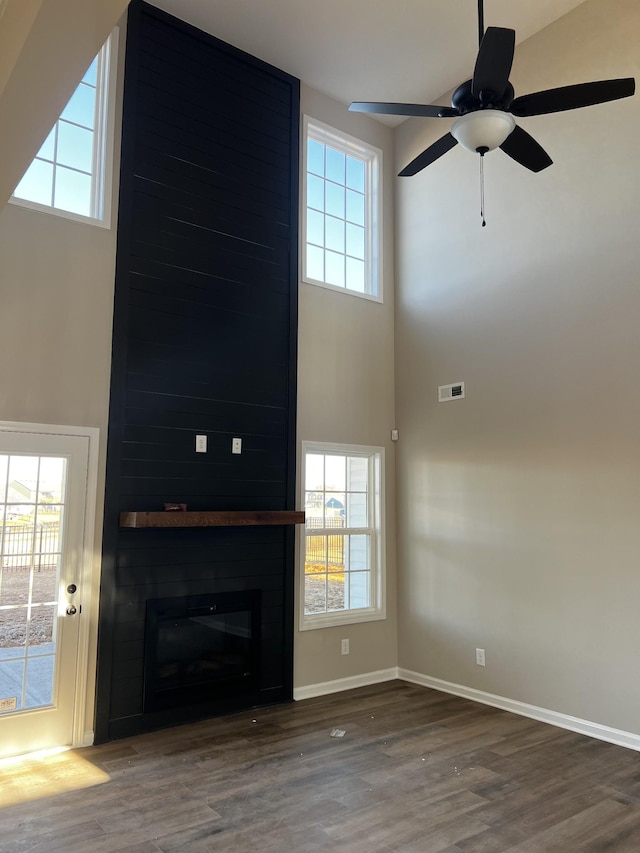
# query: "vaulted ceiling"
374 50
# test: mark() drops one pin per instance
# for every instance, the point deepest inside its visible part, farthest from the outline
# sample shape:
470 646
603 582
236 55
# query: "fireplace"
201 649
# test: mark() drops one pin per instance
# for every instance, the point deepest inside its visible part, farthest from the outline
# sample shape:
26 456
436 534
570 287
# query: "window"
341 248
343 559
71 170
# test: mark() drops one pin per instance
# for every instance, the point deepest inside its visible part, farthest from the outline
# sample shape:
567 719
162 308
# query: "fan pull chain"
484 221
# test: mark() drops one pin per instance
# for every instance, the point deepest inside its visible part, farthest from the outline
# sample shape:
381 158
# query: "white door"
43 493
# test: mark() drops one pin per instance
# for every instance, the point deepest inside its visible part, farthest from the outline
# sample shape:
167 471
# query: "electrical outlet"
345 647
236 445
480 659
201 444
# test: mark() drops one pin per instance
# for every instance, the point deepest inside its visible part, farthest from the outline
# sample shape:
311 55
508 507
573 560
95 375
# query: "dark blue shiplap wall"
204 342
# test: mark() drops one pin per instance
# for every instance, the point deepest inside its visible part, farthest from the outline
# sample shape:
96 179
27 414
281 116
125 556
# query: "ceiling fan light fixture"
483 130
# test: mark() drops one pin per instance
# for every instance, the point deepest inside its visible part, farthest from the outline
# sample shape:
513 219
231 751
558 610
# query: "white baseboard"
554 718
87 739
324 688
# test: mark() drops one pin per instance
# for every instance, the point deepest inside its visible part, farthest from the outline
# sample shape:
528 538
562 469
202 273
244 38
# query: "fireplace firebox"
201 648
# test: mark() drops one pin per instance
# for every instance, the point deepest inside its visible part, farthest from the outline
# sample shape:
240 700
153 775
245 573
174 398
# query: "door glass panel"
32 490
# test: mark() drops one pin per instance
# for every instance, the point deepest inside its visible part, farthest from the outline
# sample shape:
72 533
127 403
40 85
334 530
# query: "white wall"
345 394
518 506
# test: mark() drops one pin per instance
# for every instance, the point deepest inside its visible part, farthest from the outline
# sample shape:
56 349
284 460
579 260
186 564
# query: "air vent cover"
450 392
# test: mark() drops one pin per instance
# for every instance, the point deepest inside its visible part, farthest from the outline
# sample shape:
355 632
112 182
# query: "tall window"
343 565
70 171
342 204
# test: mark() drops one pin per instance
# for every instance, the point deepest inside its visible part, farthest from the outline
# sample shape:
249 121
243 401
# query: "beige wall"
518 506
345 394
56 281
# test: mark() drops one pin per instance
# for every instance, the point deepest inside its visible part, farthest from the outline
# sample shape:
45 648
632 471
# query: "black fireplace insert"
201 648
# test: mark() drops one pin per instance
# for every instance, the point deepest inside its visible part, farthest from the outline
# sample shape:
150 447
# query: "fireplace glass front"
201 648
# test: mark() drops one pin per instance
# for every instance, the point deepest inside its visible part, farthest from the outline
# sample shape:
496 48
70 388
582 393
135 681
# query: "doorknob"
71 610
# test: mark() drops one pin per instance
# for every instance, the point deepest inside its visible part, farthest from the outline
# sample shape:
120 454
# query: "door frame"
89 566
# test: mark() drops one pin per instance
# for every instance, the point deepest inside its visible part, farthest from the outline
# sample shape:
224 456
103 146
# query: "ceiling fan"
484 107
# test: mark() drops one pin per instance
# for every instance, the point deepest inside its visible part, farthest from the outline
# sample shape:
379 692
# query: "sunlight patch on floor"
45 774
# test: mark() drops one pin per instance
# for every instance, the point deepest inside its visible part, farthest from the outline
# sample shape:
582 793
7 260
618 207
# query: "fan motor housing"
465 101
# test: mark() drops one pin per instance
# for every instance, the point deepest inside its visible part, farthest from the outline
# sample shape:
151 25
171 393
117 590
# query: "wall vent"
450 392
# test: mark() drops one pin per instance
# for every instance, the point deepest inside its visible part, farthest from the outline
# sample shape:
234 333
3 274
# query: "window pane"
72 191
13 670
334 269
315 157
48 149
357 473
40 681
41 625
335 234
37 183
314 473
75 146
92 71
355 207
336 473
341 177
358 554
335 592
360 589
315 192
337 565
355 275
14 631
335 166
315 227
315 263
52 478
23 475
335 200
355 241
334 509
81 106
355 174
356 509
316 554
315 594
16 582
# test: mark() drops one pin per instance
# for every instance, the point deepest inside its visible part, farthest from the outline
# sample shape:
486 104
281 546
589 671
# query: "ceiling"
365 50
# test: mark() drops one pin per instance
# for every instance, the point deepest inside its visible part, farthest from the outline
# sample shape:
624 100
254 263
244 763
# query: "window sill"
345 290
343 617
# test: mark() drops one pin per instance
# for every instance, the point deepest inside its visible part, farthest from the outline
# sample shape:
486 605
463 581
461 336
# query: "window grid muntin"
372 531
320 139
20 658
103 69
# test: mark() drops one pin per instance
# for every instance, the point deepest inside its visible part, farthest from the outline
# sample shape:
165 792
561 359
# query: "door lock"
71 610
71 588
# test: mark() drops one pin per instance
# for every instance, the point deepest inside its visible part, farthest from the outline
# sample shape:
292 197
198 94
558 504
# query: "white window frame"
102 165
376 510
372 158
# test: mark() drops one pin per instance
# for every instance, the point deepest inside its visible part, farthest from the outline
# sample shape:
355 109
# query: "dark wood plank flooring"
417 771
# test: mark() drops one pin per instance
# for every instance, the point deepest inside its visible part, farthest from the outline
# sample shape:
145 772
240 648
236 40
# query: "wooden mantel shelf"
224 518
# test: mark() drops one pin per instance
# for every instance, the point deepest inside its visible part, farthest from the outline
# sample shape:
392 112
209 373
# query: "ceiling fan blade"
424 110
429 155
572 97
523 148
494 61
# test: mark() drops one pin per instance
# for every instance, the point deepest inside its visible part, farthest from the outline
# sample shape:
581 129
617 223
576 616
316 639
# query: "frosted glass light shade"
483 129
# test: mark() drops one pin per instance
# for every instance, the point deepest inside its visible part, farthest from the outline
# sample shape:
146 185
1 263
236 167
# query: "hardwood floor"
417 771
